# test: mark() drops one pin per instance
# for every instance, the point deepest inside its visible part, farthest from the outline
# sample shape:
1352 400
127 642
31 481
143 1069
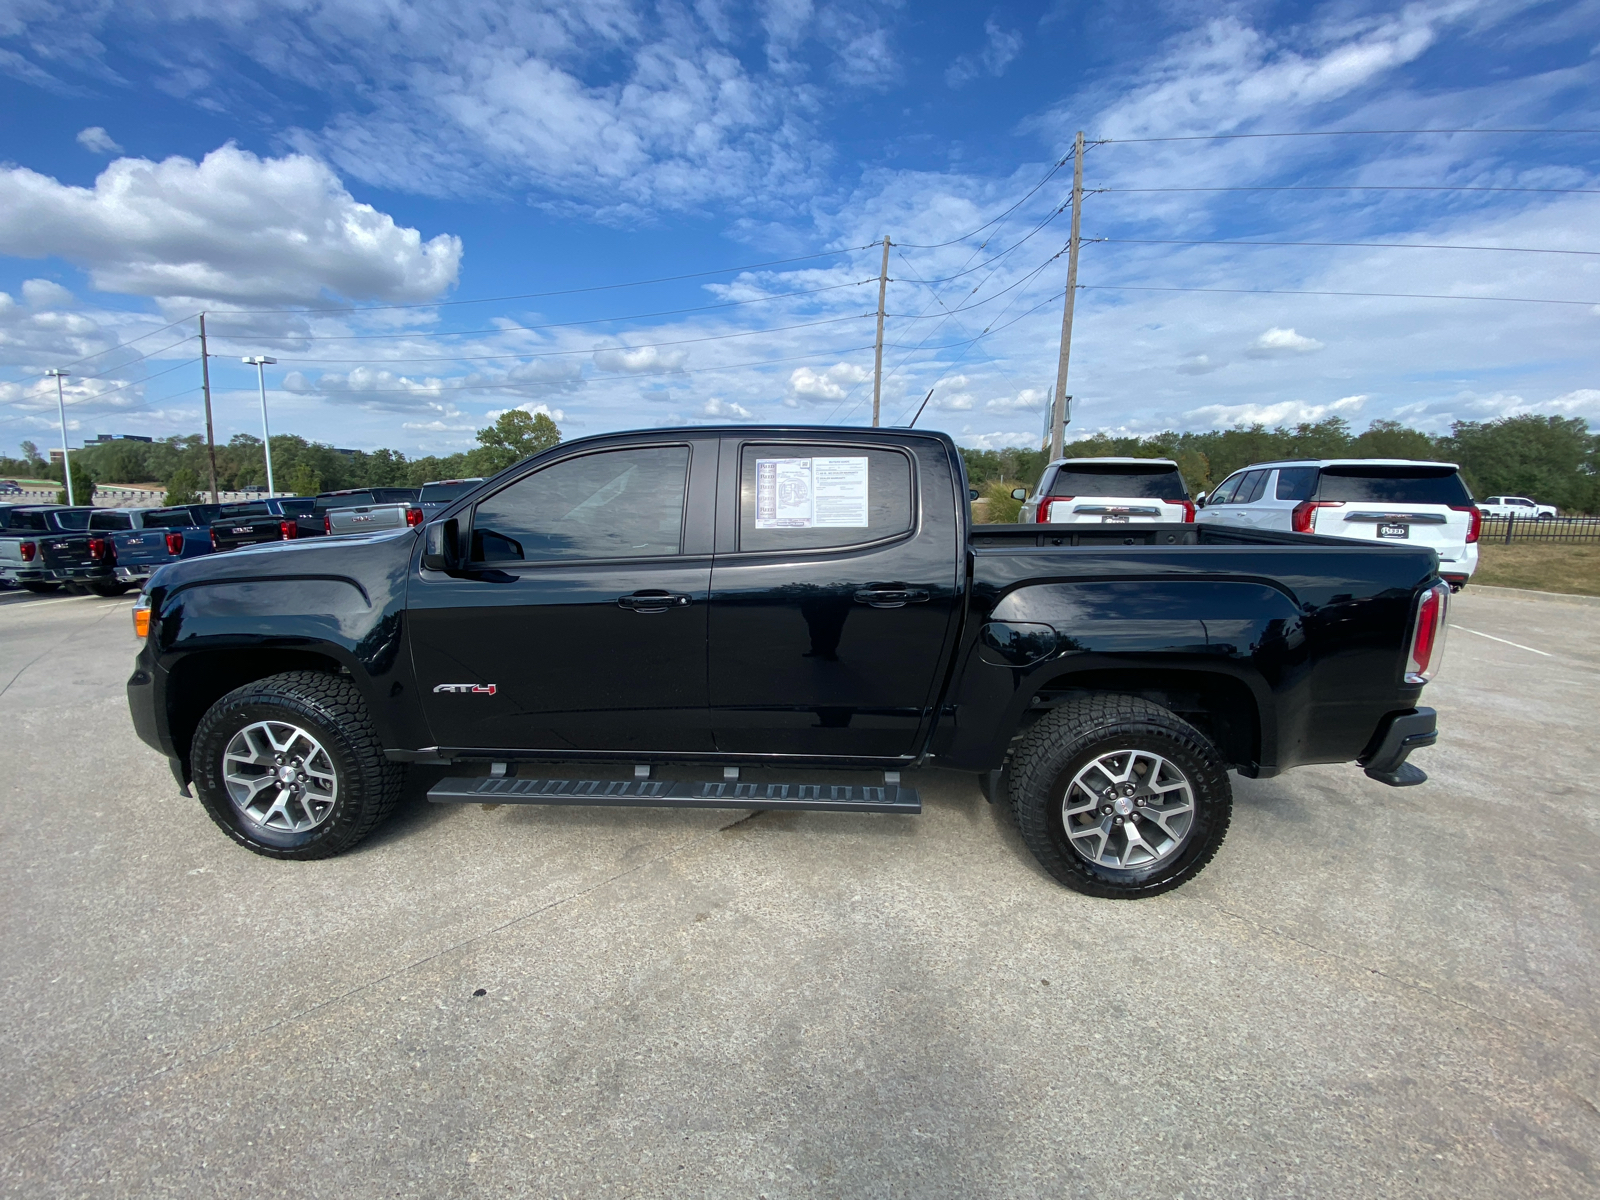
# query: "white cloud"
727 410
831 385
952 402
1202 364
1284 412
97 141
645 360
997 441
44 293
1031 400
1000 47
533 410
232 227
1280 343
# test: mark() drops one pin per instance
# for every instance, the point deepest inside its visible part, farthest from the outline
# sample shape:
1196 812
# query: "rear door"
1409 505
836 582
579 622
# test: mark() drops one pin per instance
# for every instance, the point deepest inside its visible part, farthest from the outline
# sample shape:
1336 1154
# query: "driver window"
615 504
1225 490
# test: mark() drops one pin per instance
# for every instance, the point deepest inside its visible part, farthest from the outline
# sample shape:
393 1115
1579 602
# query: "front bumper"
1400 734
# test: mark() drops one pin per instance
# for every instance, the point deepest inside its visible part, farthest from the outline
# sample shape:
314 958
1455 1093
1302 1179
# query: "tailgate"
230 535
1436 526
366 520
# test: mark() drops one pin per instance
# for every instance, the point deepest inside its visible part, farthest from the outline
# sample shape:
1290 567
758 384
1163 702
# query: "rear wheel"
1118 797
42 587
291 767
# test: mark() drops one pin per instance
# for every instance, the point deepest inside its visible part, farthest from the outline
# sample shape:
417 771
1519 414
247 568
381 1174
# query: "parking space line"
1501 640
62 600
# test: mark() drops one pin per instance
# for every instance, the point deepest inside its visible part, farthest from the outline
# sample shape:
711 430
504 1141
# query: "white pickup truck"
1516 506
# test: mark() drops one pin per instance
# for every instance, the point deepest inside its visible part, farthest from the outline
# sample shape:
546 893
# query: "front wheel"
291 766
1118 797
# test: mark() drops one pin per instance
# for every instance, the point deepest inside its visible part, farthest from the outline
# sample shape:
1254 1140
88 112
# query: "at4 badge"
466 689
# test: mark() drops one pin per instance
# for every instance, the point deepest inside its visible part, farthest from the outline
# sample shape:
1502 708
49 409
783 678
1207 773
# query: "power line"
606 287
669 312
590 350
1054 213
1129 287
1050 174
1373 245
1364 187
113 391
1217 137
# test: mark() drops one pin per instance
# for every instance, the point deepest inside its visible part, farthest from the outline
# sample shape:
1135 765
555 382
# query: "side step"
660 793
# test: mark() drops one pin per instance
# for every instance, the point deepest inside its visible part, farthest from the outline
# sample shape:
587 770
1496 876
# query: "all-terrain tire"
333 711
1069 738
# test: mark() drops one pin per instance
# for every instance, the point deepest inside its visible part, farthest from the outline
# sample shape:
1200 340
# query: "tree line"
1554 460
303 467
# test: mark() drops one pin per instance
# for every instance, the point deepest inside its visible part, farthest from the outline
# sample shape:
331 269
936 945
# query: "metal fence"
1506 531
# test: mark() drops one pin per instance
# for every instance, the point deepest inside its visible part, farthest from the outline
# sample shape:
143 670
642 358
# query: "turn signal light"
141 618
413 517
289 529
1474 520
1188 508
1304 516
1042 515
28 551
174 543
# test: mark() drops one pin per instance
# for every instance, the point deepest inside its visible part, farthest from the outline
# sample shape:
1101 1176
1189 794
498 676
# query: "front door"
832 595
579 622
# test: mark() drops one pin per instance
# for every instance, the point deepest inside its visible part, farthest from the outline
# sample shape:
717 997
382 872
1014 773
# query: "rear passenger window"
615 504
1296 483
111 520
1394 485
1251 487
815 496
1225 490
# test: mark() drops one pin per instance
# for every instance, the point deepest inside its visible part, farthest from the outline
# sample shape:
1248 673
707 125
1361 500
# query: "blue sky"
406 168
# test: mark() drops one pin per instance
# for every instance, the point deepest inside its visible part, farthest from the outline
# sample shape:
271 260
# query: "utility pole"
205 378
61 410
1058 409
261 362
877 368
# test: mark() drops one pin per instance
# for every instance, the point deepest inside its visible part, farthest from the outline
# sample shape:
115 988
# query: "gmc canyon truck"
795 600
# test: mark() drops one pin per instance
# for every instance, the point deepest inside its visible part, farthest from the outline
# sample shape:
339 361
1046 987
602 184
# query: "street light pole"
61 410
261 362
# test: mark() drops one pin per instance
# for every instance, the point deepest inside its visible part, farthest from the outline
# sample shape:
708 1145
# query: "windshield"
351 500
297 508
239 512
1393 485
111 519
1134 481
175 518
70 519
444 493
31 521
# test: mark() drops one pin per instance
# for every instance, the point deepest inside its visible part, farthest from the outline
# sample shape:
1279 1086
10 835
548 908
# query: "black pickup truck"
793 600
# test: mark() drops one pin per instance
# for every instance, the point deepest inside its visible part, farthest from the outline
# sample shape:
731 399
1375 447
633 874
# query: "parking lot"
1370 992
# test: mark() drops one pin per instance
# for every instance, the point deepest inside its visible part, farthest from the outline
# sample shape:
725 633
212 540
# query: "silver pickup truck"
23 529
369 510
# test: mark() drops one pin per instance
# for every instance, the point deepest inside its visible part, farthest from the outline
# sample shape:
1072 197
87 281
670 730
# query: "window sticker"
811 493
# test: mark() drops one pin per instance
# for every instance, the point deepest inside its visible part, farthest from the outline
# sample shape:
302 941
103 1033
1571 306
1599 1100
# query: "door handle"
891 597
649 602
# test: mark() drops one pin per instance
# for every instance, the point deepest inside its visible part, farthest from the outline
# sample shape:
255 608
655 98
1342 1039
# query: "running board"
661 793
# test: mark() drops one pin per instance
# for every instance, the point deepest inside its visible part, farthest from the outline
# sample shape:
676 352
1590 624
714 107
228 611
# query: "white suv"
1516 506
1109 491
1369 499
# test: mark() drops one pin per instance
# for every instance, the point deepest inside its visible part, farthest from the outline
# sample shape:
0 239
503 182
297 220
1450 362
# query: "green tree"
183 487
1390 439
304 480
82 484
1550 459
516 434
35 460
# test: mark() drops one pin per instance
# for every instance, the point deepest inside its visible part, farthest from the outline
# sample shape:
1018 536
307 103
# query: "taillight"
1188 508
289 529
327 522
1305 514
1043 515
28 551
1474 520
174 543
213 539
413 517
97 548
1427 636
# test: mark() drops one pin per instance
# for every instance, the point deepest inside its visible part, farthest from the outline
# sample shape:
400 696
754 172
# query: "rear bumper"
25 575
1397 737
